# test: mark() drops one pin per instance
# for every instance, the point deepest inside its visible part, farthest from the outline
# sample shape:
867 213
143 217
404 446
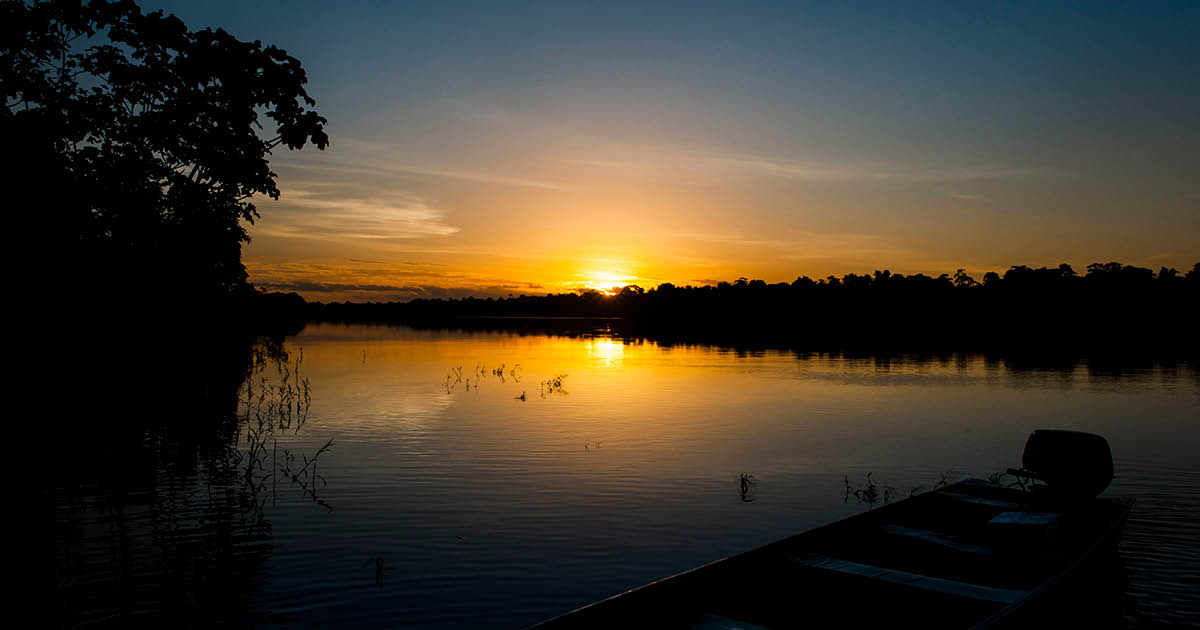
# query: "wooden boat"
969 555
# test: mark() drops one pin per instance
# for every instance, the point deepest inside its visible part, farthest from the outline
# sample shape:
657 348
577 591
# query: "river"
492 479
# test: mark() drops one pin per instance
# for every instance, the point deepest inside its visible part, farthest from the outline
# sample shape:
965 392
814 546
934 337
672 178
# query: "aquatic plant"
381 570
274 402
870 493
501 372
306 476
552 386
945 478
482 371
746 486
1020 480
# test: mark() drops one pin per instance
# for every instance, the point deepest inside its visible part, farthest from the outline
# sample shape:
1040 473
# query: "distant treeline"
1110 305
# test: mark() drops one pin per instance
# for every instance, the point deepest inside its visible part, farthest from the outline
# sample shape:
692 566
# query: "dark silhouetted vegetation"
135 149
1109 306
139 145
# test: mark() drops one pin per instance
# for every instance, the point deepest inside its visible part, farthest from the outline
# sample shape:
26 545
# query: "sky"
500 148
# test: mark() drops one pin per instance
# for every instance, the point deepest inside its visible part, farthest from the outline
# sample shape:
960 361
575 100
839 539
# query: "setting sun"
604 281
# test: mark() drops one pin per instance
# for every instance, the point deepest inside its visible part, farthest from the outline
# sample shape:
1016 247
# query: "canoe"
969 555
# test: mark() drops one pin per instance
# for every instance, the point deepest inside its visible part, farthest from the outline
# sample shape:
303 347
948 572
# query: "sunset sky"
493 148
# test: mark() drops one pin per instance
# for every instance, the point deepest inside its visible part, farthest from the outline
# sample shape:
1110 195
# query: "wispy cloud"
970 197
812 170
380 281
397 262
370 158
338 292
318 212
344 167
810 248
476 176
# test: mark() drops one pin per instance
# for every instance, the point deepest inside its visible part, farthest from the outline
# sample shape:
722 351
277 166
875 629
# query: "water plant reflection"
871 492
746 487
165 527
553 385
274 400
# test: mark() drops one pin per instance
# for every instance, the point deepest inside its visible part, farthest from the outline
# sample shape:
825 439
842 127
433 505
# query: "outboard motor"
1074 465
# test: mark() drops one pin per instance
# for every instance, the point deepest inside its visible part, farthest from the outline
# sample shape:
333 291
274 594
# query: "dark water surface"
443 504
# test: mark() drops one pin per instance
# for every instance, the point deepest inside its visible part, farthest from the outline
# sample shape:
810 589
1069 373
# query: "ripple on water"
491 512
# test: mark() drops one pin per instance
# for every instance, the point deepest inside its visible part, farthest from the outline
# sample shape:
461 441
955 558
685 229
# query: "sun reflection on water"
606 352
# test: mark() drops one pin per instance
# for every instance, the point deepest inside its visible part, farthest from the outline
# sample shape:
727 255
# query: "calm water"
458 504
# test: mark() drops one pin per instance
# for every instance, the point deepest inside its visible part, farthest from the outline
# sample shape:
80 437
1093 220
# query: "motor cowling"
1073 464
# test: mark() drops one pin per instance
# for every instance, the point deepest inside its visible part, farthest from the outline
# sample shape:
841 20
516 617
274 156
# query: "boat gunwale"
731 562
1063 573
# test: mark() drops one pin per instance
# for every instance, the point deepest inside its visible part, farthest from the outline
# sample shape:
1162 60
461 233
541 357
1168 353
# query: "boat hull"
971 555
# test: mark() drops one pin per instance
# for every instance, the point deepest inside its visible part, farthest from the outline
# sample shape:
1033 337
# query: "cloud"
397 262
381 159
714 163
356 273
377 281
317 211
340 291
310 286
484 178
733 238
845 248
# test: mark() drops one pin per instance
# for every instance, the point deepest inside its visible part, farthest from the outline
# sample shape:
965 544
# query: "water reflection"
149 521
607 352
168 523
458 503
273 403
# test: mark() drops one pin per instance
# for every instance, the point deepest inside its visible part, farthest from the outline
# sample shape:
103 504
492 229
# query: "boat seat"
968 498
914 580
1025 519
939 539
717 622
1029 529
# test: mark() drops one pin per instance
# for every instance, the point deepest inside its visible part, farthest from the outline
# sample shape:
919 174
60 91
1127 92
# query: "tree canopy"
145 142
1112 305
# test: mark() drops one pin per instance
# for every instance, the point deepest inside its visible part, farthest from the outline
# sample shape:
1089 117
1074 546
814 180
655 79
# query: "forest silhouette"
140 147
136 147
1110 306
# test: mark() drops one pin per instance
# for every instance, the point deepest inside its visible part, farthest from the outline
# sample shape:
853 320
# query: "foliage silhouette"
1112 306
141 143
136 149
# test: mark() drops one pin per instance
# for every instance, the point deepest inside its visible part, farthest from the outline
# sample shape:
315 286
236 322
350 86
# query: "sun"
605 281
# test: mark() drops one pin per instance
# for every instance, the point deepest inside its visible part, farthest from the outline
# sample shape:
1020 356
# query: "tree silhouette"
963 279
144 142
1114 308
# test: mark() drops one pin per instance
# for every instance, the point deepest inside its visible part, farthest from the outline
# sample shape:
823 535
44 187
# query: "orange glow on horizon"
607 282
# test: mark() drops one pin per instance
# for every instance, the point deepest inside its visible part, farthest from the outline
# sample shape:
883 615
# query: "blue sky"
479 147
